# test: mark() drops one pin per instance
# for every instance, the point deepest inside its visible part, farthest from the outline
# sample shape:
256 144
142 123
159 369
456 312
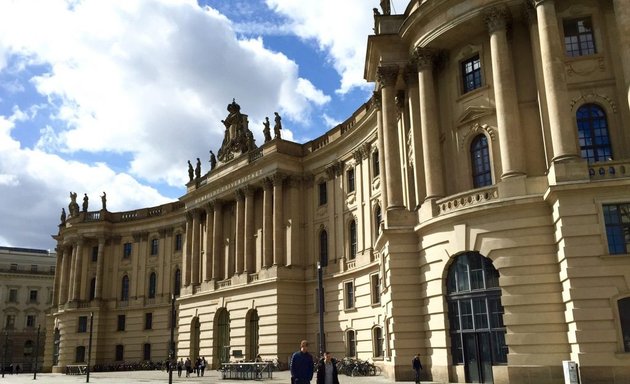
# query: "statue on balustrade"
278 126
104 201
73 207
191 171
235 139
198 169
266 130
85 202
213 160
63 216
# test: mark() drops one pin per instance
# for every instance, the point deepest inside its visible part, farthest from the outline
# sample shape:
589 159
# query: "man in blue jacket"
302 365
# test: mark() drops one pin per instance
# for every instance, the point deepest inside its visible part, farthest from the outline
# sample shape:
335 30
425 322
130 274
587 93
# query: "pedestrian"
188 367
327 370
302 365
180 366
203 365
417 367
198 366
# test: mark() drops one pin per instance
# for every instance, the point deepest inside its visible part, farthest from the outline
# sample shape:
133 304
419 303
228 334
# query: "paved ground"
162 377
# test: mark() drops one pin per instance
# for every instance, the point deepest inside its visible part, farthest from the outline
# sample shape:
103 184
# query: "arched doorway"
195 336
252 334
476 316
221 337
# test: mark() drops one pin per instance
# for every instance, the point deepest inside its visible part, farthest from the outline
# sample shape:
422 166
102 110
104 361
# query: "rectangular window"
154 246
34 268
94 254
32 296
148 320
79 355
13 295
375 284
375 164
82 328
119 352
30 321
348 289
121 323
52 269
178 242
147 351
350 179
10 322
471 73
323 194
126 250
578 37
13 267
617 219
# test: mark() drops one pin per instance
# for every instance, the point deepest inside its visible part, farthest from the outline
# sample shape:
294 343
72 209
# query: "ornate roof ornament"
238 139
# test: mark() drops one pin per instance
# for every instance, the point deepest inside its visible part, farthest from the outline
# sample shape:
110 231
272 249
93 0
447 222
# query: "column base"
399 217
574 169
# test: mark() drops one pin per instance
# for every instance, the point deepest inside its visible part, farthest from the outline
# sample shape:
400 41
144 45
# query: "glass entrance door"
478 357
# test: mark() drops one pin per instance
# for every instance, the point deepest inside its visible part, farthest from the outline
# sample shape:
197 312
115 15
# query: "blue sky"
117 95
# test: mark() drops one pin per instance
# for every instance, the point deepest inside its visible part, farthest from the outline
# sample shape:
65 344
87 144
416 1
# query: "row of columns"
209 265
68 269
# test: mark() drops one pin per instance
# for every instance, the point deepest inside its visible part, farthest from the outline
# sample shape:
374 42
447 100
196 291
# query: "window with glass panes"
178 242
474 305
352 229
471 73
578 37
350 179
147 351
480 162
154 246
126 250
323 248
377 337
593 133
624 319
349 294
617 221
94 254
152 285
323 195
13 295
375 164
148 320
124 289
82 327
119 352
32 296
121 323
375 284
79 355
351 344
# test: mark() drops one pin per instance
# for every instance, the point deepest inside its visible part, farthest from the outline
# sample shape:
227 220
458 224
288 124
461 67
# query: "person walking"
203 364
180 366
417 367
302 365
327 370
188 367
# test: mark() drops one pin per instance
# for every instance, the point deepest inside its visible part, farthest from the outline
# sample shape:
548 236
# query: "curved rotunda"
475 210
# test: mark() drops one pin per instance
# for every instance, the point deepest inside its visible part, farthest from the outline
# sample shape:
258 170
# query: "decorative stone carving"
496 18
335 169
424 58
594 97
239 195
476 129
387 75
237 138
376 99
410 75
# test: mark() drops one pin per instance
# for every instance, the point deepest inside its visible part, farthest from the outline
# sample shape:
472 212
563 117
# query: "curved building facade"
475 210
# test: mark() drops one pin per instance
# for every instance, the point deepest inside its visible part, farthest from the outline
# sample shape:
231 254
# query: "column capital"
536 3
362 152
294 181
410 75
239 194
496 18
376 99
277 179
387 75
335 169
424 58
529 13
248 190
267 183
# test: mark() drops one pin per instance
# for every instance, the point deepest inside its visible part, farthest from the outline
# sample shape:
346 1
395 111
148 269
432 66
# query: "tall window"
377 339
79 355
30 321
617 219
348 290
253 336
10 322
378 218
323 194
124 289
92 288
177 283
154 246
147 351
624 317
351 343
32 296
578 37
593 133
471 73
352 232
94 254
126 250
376 170
148 320
350 179
121 322
178 242
480 162
82 326
152 284
119 352
13 293
323 248
375 287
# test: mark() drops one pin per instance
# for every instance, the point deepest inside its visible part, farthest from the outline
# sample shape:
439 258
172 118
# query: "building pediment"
473 113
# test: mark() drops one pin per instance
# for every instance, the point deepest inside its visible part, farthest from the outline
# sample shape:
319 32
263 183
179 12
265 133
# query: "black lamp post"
171 350
36 352
320 294
4 356
87 377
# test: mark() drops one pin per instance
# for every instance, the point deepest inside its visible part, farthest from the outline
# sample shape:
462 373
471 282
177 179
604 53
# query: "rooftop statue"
63 216
198 169
104 201
85 202
213 160
73 207
235 139
191 171
266 130
278 126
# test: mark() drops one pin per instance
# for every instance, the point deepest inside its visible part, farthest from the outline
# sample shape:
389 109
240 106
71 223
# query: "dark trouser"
417 375
295 380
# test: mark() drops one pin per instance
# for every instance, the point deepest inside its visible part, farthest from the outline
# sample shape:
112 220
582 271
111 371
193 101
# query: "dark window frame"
617 226
152 285
471 73
593 134
121 323
124 289
480 164
579 36
352 240
623 306
350 180
155 246
127 250
82 324
148 321
323 193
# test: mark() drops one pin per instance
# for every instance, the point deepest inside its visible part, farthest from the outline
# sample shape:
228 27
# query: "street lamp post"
87 377
4 356
36 352
171 349
320 294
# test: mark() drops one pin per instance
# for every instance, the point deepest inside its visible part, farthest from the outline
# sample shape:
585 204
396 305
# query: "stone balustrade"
607 170
467 199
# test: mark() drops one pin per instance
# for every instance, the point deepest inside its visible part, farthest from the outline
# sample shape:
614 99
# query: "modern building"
475 210
26 291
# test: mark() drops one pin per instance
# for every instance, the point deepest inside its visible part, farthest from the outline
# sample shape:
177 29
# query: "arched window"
377 341
222 337
351 343
177 282
378 218
252 334
124 289
593 133
352 232
93 288
152 284
624 317
480 162
476 316
375 164
323 248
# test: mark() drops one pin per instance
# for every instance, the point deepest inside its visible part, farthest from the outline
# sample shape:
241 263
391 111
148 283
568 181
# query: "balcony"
467 199
609 170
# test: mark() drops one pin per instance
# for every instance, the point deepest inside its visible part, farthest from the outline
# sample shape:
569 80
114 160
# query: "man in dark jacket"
302 365
417 367
327 370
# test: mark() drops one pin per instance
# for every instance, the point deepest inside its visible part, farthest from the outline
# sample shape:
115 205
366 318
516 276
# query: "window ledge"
472 94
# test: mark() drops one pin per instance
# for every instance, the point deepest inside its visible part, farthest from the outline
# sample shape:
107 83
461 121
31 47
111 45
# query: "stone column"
65 275
293 213
76 279
217 251
387 76
278 220
58 275
506 100
429 124
622 15
267 223
207 265
411 79
240 231
196 247
378 104
98 290
71 275
250 249
563 130
186 260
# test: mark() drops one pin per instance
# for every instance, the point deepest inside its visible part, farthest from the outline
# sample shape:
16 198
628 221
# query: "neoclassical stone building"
475 210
